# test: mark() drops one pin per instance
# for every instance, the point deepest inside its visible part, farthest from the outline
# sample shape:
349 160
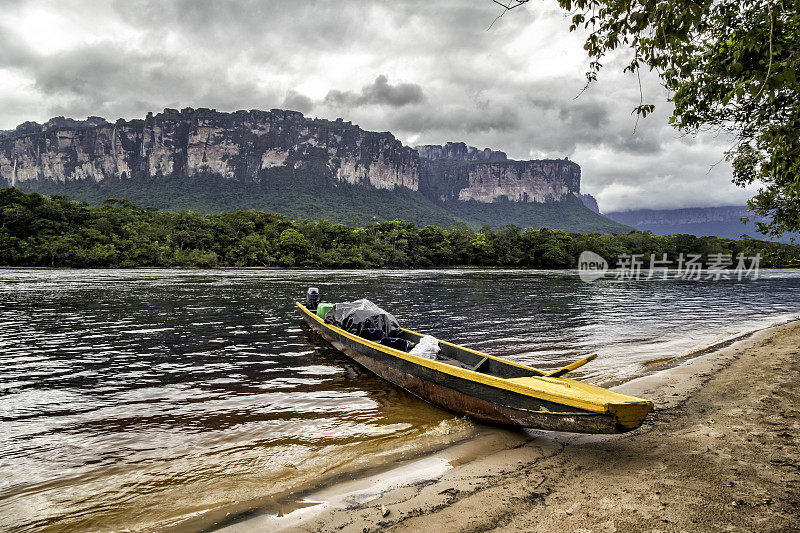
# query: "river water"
144 398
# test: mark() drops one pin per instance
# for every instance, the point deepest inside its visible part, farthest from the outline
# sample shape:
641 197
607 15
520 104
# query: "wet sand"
719 453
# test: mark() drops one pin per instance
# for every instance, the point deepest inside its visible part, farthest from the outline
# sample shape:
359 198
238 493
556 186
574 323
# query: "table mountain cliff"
237 146
456 171
285 162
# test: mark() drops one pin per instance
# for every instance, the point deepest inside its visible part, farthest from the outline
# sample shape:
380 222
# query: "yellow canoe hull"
488 388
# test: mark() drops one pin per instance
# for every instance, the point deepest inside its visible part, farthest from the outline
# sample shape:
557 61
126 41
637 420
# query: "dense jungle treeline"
56 232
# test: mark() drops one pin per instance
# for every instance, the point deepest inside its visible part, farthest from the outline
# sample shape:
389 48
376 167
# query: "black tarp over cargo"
362 314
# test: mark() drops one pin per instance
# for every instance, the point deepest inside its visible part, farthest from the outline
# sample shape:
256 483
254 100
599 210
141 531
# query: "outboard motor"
313 298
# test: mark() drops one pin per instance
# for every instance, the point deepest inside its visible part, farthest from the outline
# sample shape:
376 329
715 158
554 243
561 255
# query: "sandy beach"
719 453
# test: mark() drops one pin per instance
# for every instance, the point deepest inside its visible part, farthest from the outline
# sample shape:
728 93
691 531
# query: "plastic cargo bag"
323 308
362 314
397 343
372 334
427 347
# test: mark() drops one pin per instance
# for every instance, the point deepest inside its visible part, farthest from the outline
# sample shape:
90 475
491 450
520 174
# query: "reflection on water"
141 398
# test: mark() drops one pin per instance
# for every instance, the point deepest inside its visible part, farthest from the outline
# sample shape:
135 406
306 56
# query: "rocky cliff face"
458 172
590 202
250 146
239 146
459 151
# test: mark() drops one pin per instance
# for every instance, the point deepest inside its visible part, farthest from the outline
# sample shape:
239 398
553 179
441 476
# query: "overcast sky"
428 71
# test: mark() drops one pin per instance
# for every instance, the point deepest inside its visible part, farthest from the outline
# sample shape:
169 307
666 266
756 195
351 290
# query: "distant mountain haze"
284 162
700 221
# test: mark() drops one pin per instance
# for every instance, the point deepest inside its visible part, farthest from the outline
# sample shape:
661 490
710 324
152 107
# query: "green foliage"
570 215
297 195
730 65
292 194
55 232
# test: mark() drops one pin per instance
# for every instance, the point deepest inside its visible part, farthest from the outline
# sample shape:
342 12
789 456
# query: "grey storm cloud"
297 102
379 92
469 119
429 71
108 78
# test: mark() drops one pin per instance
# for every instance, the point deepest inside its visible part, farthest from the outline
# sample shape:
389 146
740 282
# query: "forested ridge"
298 194
56 232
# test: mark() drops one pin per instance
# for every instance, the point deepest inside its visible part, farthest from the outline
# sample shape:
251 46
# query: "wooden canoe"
490 389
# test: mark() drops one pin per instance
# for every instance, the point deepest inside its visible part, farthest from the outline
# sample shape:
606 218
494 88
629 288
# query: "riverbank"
719 452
